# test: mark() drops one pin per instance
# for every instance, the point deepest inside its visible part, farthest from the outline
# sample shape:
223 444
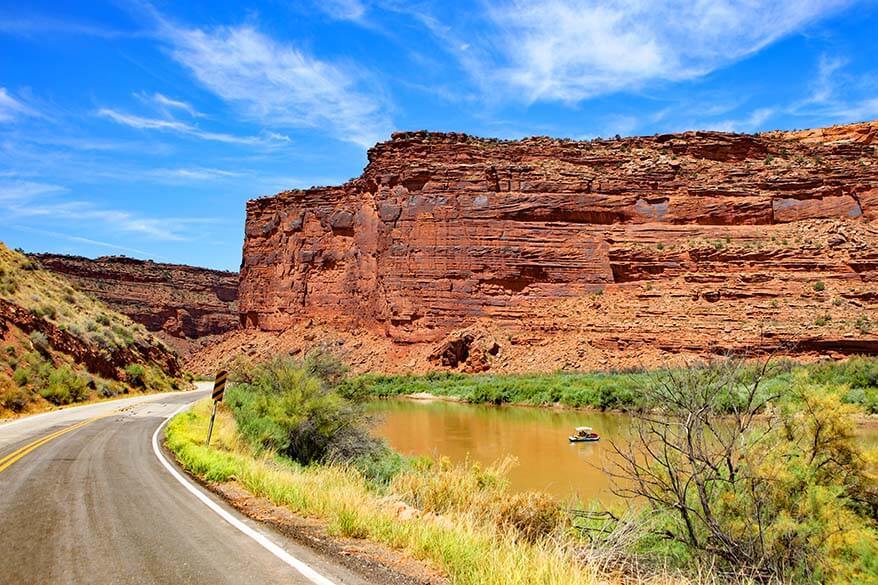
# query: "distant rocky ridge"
557 253
189 305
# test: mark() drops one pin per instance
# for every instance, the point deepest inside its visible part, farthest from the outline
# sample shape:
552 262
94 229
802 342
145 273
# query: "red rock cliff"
185 302
688 234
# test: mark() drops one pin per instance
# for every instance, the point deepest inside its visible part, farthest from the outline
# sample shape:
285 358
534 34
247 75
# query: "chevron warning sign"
219 386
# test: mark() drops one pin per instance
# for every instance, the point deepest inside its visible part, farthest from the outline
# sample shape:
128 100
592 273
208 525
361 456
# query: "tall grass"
456 533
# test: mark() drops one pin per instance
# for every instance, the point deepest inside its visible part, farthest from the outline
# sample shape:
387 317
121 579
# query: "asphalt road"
95 505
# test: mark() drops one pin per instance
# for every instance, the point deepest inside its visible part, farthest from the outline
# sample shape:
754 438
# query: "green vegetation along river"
536 437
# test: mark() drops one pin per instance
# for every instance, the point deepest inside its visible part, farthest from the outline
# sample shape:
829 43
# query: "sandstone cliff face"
688 242
184 302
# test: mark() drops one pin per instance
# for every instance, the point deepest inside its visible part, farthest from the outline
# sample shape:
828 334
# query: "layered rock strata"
184 302
692 237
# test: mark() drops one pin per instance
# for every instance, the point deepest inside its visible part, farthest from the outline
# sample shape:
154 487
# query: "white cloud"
277 84
750 123
825 84
194 174
20 191
22 199
833 92
173 125
570 50
353 10
166 104
82 240
11 108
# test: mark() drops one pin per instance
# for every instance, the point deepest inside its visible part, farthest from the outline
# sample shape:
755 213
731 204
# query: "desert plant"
823 320
285 407
819 286
13 397
532 515
40 342
135 374
787 498
64 387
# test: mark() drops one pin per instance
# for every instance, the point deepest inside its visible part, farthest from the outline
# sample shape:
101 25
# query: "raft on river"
584 435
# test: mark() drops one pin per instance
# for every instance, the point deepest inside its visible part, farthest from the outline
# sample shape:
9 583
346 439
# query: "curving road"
84 498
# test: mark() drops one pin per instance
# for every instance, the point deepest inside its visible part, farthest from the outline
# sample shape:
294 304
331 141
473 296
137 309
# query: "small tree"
784 495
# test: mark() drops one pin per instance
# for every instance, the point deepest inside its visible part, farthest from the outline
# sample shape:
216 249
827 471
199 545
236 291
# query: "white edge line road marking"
260 538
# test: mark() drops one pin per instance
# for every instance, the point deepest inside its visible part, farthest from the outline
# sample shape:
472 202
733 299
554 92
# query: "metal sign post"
219 389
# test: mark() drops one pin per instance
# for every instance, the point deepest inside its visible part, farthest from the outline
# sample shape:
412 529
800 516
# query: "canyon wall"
185 303
701 241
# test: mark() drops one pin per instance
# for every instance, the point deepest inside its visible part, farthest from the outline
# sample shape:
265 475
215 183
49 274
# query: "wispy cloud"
11 108
832 94
174 125
571 50
21 200
23 191
353 10
166 104
38 25
195 174
280 85
750 123
83 240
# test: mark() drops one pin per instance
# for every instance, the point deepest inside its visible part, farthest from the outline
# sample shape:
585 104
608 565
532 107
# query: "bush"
285 407
791 498
136 375
381 465
65 387
12 396
819 286
532 515
40 342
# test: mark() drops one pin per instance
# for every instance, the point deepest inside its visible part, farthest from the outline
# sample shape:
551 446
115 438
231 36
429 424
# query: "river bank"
611 391
299 435
467 528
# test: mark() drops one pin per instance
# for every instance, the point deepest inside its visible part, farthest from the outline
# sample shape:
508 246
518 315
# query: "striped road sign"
219 387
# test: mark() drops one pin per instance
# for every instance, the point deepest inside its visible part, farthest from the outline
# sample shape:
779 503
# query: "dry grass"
466 525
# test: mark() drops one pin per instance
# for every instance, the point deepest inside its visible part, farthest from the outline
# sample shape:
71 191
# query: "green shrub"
380 465
49 311
819 286
65 387
40 342
136 375
286 408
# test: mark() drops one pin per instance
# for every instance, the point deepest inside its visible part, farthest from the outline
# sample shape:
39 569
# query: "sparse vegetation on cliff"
59 346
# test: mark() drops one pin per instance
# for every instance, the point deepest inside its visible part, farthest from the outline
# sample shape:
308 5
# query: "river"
536 437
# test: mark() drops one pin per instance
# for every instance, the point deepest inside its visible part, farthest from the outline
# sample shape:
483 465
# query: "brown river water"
536 437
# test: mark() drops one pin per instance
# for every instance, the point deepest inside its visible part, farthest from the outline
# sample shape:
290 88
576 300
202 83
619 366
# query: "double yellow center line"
21 452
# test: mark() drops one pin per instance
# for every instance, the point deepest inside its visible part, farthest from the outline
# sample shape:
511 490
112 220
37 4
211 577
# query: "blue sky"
137 128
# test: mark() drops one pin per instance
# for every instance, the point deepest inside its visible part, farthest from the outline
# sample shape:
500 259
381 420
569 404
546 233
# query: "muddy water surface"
536 437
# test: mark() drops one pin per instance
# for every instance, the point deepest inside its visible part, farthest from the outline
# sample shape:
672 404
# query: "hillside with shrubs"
59 346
